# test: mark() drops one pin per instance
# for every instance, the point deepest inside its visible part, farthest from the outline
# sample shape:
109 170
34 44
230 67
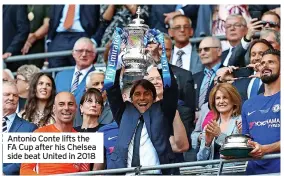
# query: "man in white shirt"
184 54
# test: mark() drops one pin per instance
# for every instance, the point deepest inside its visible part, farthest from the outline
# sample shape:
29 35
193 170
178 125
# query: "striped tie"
179 60
204 90
76 82
4 125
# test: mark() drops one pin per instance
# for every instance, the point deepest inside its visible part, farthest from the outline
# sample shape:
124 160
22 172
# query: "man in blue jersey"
261 117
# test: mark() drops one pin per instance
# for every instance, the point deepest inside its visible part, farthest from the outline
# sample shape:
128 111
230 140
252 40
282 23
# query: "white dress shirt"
147 152
185 58
84 73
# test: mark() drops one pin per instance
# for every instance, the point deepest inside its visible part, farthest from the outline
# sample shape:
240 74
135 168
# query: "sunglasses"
206 49
270 24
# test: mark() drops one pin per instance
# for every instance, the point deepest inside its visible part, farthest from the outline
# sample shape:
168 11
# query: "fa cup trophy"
136 61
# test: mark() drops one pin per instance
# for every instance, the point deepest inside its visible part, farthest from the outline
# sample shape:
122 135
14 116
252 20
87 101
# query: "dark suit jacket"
63 82
89 18
19 125
238 57
157 17
242 87
158 120
15 28
187 96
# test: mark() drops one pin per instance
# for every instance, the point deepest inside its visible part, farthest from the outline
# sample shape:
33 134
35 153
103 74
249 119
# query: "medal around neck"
31 16
135 36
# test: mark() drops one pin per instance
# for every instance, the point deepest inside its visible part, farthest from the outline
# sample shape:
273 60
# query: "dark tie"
254 88
76 82
69 17
136 146
204 90
4 124
179 60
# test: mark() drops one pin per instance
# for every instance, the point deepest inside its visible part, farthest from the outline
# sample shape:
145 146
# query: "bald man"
64 111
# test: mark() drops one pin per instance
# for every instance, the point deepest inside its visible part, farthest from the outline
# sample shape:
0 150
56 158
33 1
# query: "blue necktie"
178 6
76 82
255 87
136 146
203 92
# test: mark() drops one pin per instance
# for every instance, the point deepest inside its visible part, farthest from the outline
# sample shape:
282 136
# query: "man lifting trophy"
136 60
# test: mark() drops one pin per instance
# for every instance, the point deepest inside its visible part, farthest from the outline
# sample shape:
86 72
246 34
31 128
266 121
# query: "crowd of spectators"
218 88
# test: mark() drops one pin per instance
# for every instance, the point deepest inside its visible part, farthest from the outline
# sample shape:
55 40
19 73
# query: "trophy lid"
138 22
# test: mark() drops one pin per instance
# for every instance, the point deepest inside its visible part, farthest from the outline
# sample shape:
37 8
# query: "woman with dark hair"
39 105
225 102
91 107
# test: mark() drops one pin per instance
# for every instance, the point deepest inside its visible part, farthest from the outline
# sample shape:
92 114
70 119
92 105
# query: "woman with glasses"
23 77
225 102
38 108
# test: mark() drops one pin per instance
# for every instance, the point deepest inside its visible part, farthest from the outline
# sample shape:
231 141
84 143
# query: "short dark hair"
259 41
147 85
274 52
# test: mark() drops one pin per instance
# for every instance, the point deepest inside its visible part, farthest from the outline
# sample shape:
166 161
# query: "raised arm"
170 97
179 141
114 96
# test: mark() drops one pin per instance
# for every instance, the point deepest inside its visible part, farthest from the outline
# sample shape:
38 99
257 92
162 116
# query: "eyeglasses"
270 24
206 49
81 51
178 28
236 25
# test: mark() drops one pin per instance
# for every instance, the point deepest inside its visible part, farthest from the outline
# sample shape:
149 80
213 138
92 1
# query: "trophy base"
129 79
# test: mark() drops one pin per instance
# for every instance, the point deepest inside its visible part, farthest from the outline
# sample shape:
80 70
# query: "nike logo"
110 138
249 113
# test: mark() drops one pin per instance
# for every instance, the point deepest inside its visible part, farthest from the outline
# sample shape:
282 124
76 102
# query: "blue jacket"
110 137
63 82
19 125
158 119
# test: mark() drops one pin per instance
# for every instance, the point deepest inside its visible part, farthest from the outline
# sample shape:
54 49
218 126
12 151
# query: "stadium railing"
189 170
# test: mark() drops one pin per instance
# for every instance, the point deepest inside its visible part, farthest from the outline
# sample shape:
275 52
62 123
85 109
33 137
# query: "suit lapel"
224 55
232 126
82 84
16 124
197 85
69 77
58 14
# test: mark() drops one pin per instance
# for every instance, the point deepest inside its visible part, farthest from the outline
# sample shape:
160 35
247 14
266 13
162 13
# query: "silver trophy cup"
136 60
